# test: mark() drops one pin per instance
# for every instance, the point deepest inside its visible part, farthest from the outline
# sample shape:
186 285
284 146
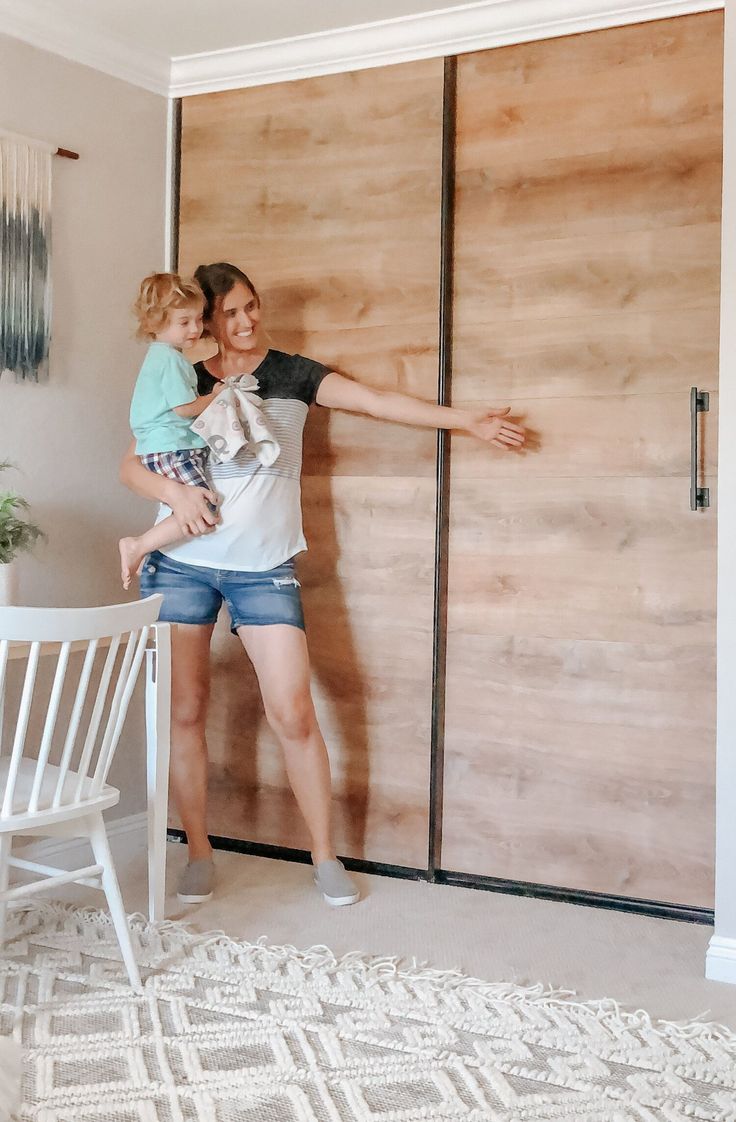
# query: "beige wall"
67 435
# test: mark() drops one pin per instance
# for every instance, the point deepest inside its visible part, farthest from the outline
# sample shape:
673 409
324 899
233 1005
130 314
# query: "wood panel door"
327 193
580 737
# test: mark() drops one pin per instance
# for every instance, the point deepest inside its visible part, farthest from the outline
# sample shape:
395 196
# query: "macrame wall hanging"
25 256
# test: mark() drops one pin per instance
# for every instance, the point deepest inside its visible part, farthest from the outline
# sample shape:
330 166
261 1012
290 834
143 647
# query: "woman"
249 563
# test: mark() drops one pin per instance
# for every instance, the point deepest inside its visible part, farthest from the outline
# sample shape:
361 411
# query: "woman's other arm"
490 425
189 504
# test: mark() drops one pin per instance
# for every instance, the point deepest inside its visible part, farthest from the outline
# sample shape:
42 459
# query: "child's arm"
194 408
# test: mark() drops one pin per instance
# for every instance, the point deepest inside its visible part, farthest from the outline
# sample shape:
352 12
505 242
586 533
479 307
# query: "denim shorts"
194 594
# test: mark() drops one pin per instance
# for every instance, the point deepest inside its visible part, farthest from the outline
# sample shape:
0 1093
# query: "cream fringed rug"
238 1032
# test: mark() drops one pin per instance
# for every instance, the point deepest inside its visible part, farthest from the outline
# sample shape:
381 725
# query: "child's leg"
133 550
183 466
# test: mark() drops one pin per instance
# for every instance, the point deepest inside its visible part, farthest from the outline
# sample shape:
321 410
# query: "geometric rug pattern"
237 1032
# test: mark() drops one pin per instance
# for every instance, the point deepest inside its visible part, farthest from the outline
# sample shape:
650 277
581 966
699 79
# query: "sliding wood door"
327 193
580 694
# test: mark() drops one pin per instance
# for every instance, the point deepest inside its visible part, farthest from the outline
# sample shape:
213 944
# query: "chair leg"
103 856
6 844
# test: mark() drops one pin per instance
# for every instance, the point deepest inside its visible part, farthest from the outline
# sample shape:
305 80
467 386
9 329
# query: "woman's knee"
292 719
189 709
190 684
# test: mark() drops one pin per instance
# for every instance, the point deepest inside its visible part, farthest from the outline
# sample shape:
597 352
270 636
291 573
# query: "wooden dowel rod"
66 154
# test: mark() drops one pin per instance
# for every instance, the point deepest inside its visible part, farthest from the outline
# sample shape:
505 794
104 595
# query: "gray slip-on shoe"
197 881
335 884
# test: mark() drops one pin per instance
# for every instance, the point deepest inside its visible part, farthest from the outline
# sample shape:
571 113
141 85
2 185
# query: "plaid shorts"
185 466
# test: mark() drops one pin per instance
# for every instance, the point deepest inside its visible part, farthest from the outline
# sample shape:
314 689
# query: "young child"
169 312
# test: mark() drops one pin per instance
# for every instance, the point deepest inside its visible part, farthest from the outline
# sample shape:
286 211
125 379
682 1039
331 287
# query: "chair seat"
24 786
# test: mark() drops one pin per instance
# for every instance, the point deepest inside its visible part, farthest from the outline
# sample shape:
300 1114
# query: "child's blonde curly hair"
159 295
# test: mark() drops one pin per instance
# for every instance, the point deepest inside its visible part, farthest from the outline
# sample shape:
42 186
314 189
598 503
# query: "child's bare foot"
131 558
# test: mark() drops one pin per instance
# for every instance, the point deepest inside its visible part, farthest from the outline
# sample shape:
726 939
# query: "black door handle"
699 403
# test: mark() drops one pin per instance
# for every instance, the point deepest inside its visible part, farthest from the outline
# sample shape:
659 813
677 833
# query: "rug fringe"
373 969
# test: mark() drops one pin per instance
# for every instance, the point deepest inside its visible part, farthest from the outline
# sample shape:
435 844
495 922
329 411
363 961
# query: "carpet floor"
232 1031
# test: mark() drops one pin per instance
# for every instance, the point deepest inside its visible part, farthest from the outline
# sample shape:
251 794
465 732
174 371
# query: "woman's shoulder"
295 363
291 375
283 358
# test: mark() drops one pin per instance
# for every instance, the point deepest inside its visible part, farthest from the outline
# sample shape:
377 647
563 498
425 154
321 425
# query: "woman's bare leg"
281 660
190 688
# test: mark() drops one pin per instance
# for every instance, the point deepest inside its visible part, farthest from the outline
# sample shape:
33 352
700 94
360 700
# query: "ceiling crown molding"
471 27
48 26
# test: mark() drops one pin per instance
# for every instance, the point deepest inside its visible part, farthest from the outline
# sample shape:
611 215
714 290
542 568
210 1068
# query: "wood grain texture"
593 559
580 697
327 193
628 352
596 274
582 764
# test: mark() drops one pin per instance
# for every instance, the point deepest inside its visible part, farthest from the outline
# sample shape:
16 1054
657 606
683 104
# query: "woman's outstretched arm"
490 425
189 505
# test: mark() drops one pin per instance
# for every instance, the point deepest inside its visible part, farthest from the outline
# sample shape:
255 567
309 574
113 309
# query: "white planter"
8 584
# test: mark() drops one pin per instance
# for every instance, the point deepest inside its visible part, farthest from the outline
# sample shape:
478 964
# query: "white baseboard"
720 960
130 826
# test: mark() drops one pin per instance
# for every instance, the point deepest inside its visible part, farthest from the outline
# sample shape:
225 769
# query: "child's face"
183 327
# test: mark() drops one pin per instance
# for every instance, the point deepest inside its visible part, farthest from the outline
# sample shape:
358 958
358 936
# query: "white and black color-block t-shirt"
261 506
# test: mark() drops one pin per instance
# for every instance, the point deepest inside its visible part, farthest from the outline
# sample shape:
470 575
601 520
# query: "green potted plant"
17 534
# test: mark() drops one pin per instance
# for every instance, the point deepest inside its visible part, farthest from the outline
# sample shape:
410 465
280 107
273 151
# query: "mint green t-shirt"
165 380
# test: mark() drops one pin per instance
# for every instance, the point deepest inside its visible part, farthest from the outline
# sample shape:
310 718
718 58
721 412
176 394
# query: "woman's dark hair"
219 279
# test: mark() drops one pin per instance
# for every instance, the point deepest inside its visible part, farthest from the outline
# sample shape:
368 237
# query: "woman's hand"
493 427
192 508
190 505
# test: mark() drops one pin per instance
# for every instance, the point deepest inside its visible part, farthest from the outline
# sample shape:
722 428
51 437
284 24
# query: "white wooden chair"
62 738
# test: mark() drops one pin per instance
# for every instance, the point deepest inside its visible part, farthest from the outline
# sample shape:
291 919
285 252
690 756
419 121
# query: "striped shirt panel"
286 418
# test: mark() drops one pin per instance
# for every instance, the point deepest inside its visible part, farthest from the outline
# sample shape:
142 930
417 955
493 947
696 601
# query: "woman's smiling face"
235 320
